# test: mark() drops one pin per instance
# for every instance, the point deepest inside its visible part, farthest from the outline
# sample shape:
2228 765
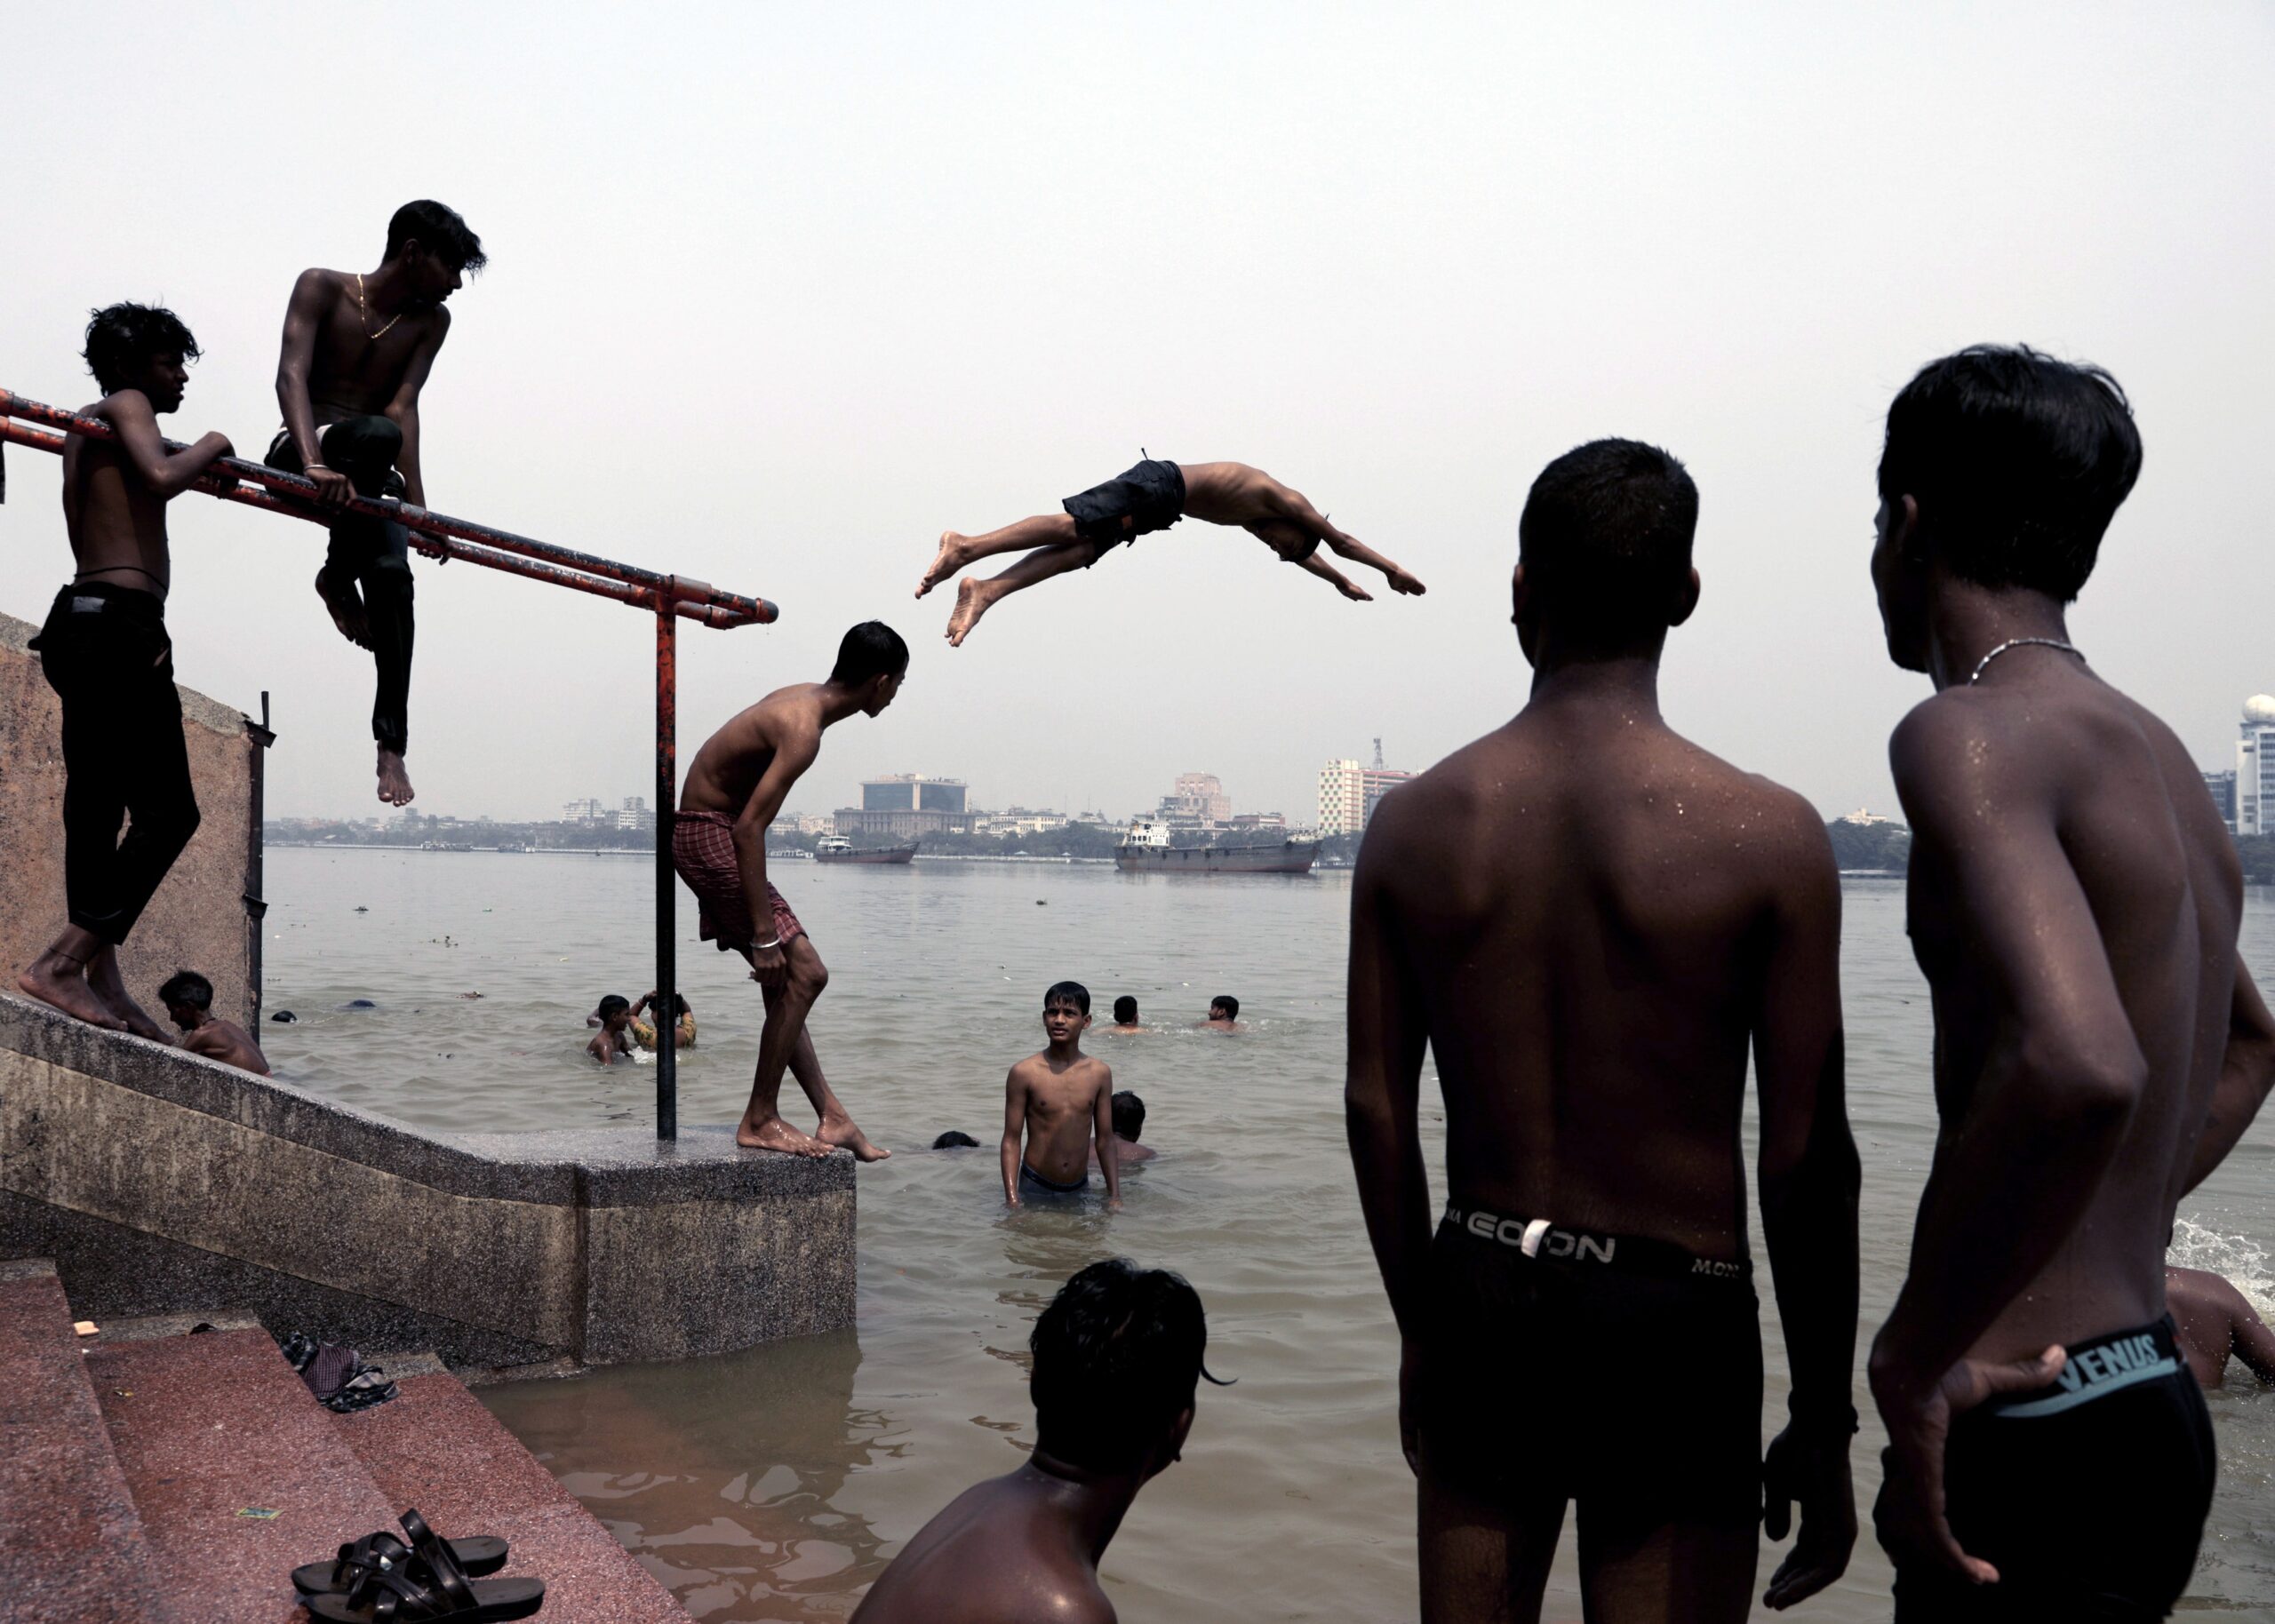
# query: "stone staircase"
152 1475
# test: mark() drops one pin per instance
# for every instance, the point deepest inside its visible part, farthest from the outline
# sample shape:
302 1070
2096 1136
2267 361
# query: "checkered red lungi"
703 851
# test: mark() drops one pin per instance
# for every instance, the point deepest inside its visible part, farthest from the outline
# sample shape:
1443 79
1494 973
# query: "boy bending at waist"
1059 1099
105 652
189 998
1152 496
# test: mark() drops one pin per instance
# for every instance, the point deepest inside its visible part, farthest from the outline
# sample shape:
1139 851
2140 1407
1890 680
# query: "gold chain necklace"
364 313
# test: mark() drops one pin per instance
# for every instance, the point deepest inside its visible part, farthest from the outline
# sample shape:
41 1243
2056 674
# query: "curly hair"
122 338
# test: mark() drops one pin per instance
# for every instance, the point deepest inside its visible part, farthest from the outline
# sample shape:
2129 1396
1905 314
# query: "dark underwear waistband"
2097 1368
110 597
1541 1240
1029 1176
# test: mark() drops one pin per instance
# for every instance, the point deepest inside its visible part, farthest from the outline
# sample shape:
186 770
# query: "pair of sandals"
380 1580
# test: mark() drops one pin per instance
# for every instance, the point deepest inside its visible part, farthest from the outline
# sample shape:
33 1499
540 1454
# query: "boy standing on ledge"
106 653
356 353
735 788
1059 1099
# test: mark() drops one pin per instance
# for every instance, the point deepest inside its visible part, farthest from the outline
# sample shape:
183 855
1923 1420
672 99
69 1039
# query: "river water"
776 1483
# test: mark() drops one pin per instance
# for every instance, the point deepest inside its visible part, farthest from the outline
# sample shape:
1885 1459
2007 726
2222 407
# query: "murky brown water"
774 1484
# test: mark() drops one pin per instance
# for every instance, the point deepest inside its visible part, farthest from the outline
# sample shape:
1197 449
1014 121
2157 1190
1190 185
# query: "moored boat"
1145 849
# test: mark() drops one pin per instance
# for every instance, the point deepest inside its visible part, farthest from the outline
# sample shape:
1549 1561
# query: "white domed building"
2255 786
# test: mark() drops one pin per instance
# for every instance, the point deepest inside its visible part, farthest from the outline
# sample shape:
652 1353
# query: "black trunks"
1150 496
1526 1320
2088 1496
1032 1184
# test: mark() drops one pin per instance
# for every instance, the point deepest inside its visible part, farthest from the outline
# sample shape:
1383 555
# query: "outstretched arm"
1809 1175
1381 1096
1334 578
404 409
1234 493
167 473
2245 1073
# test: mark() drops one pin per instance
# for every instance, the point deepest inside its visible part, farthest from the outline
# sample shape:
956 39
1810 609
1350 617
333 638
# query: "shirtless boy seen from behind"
1062 1099
735 788
105 651
1589 922
1153 496
358 345
189 998
2073 902
2214 1321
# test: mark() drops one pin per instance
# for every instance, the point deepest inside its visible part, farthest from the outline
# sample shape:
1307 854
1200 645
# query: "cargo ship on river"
837 848
1145 849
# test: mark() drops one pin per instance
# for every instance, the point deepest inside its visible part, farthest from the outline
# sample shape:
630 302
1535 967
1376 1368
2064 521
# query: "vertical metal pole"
667 1008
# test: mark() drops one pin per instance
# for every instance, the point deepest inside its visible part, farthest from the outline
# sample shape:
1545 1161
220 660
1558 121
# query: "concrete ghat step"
71 1545
209 1428
434 1446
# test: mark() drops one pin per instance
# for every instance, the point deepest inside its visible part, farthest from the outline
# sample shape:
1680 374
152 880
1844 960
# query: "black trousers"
105 654
375 554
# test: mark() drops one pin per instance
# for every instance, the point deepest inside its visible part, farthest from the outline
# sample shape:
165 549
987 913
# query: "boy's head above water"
188 997
1125 1010
1224 1006
614 1011
1065 1010
1128 1115
1117 1361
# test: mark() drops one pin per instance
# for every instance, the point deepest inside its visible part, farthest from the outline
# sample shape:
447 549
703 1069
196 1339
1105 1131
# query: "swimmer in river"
614 1039
105 651
1117 1365
1588 922
2074 900
647 1033
188 1000
734 792
1152 496
1125 1017
1059 1099
1224 1014
356 352
2213 1322
1128 1123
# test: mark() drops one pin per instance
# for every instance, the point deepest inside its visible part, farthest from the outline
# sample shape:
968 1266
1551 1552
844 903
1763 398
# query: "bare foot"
62 982
347 606
1406 582
950 559
110 987
394 782
972 599
842 1132
774 1135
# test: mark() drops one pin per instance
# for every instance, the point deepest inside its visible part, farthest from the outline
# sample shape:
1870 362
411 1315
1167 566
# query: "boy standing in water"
1588 921
357 349
105 652
1060 1099
613 1038
1152 496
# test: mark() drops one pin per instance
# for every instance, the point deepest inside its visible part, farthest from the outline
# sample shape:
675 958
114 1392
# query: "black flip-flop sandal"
430 1588
375 1552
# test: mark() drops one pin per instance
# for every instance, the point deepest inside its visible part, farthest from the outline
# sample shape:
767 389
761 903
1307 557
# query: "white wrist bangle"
762 946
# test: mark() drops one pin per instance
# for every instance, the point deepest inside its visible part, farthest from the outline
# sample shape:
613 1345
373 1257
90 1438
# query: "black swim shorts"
2088 1496
1032 1184
1620 1373
1151 496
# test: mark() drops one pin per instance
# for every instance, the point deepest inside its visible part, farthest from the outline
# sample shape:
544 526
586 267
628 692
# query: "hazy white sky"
778 293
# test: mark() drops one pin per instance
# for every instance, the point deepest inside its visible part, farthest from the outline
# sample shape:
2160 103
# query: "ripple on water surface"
774 1484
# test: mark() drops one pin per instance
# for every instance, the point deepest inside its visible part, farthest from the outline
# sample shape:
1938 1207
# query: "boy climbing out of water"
735 790
357 349
614 1037
1152 496
1060 1099
105 651
189 998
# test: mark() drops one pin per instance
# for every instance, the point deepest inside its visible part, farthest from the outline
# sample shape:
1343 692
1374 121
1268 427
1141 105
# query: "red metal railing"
671 598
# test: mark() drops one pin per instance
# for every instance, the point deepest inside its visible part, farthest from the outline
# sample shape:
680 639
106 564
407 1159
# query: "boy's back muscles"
1586 929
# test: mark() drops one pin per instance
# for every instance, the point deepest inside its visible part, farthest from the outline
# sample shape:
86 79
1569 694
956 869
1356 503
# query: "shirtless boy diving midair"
357 348
1063 1100
106 653
1152 496
1589 921
2074 898
734 790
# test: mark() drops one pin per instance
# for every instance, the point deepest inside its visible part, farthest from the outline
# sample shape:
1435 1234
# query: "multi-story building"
2254 798
1259 823
2222 785
1349 792
1198 802
1017 820
635 813
587 810
912 793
